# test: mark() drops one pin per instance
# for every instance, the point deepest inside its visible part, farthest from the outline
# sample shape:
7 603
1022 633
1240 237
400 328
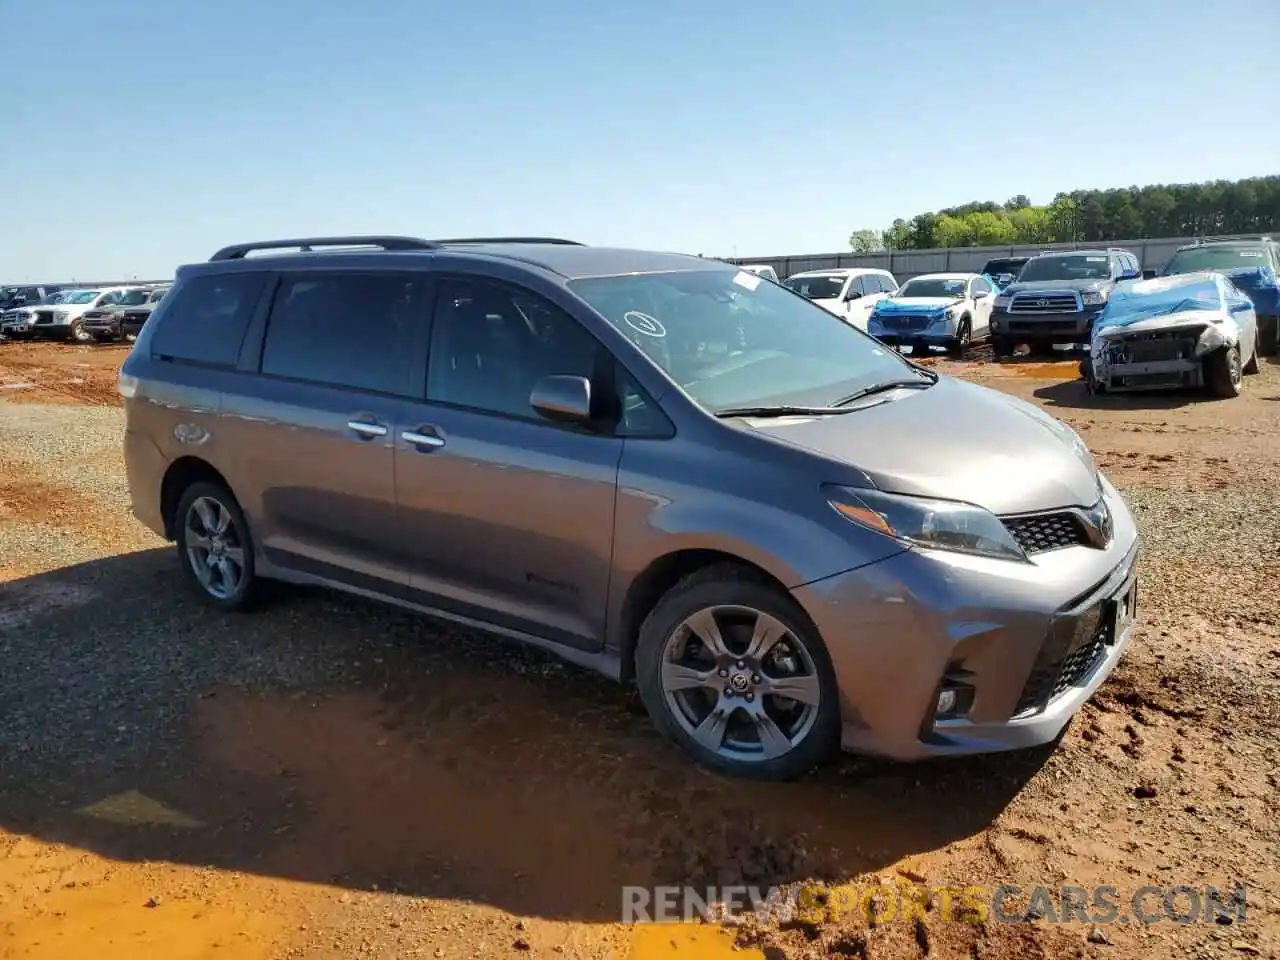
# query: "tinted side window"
490 344
344 329
887 285
206 317
980 287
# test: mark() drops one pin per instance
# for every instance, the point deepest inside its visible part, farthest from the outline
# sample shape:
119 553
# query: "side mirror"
1148 274
852 295
563 399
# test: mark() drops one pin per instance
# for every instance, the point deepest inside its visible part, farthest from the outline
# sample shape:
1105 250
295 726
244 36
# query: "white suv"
849 293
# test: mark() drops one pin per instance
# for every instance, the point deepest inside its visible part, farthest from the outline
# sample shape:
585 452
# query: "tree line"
1083 216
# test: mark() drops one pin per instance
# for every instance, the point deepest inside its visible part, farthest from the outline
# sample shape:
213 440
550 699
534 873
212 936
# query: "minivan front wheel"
732 670
214 546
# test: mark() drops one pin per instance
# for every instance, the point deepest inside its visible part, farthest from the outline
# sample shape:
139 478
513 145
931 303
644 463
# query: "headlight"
61 314
1094 298
1003 300
933 524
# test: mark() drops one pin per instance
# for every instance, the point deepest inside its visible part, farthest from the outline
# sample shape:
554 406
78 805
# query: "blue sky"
139 134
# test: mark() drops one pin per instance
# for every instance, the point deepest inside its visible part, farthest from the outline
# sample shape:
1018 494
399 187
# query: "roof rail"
553 240
1227 238
238 251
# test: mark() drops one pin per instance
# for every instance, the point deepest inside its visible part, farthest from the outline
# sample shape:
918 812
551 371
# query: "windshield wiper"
886 386
781 410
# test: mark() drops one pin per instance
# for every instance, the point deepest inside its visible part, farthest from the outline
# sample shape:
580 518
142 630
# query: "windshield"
1088 266
132 298
1217 258
730 339
823 286
997 267
81 296
949 287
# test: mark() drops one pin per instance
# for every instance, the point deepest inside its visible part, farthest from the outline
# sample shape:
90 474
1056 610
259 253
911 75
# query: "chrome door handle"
366 430
433 440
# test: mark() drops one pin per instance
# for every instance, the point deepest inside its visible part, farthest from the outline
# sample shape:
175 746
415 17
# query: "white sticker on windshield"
1250 253
643 323
1096 259
745 279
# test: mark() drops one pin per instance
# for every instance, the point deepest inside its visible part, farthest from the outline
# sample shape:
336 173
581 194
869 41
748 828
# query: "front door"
506 517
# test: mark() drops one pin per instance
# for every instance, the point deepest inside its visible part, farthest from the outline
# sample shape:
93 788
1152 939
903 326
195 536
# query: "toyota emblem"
1042 303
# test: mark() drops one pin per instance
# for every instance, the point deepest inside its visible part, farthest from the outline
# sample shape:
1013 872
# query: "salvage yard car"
1253 265
1003 270
848 293
935 310
123 316
657 466
65 320
761 270
16 322
1186 330
1056 297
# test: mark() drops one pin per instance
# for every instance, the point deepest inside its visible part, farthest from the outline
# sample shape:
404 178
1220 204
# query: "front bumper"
102 326
1026 643
1152 375
1043 327
938 333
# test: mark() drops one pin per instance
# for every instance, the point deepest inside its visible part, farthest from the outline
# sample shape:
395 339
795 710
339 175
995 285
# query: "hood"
1138 323
1081 286
956 441
891 305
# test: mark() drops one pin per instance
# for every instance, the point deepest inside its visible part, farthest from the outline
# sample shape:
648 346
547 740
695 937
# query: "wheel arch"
181 474
663 573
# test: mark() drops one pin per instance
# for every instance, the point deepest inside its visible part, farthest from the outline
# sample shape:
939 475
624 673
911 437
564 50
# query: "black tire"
248 588
729 585
1001 347
78 333
1222 372
1252 366
960 345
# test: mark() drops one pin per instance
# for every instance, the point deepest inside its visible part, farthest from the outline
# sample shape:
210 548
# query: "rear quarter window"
204 320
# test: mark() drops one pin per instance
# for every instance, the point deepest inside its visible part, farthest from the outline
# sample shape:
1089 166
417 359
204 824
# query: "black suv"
1056 297
1003 270
24 296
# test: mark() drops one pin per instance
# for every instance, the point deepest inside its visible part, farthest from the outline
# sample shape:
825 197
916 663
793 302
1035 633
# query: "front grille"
1044 303
906 322
1058 670
1047 531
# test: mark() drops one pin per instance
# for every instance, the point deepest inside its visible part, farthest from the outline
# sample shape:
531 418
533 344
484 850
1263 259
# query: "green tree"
866 241
1092 216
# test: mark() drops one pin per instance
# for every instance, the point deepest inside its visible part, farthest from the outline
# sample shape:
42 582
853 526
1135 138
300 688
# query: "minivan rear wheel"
730 668
214 545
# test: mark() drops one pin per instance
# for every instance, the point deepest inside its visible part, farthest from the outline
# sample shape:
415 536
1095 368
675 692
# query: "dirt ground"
328 778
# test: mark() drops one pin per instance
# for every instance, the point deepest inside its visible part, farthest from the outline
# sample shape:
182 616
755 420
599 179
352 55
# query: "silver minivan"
661 467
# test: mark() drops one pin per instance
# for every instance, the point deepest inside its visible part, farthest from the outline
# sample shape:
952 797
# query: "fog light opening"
954 700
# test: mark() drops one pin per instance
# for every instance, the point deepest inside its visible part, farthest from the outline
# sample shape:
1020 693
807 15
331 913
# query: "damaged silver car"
1194 330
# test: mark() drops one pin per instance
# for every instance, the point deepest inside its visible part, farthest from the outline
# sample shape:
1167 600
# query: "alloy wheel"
215 547
740 683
